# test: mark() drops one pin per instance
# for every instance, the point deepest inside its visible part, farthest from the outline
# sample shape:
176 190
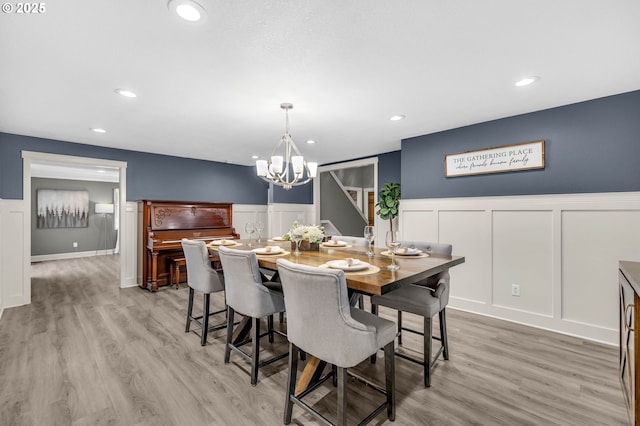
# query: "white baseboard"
72 255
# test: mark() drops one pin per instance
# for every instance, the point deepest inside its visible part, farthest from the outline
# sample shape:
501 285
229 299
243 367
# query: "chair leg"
428 336
227 349
342 396
281 317
255 357
270 327
205 319
291 383
361 301
189 311
399 328
374 311
443 334
390 380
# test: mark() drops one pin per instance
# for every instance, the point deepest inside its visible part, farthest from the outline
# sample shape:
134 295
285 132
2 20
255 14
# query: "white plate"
263 250
409 251
357 265
336 244
223 243
277 239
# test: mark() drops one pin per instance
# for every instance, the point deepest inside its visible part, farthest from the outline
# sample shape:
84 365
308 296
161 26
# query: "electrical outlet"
75 244
515 290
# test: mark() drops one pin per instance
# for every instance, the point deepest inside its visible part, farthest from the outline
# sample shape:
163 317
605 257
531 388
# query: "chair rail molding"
560 250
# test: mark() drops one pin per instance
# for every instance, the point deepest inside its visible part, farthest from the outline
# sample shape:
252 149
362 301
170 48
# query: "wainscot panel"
562 251
15 280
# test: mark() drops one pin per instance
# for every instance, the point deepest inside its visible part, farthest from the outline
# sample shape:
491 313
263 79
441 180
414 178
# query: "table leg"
242 330
310 371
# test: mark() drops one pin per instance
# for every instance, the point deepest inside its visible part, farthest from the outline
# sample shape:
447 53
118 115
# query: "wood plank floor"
88 353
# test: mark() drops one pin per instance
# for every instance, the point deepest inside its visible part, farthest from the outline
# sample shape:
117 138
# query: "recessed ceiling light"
188 10
126 93
98 130
101 171
397 117
527 81
311 141
254 157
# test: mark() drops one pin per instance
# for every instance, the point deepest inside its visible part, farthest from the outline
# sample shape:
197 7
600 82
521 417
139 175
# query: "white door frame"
28 157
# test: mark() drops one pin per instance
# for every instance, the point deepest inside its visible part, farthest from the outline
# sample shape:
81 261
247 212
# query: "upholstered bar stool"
248 295
356 242
426 298
203 278
321 322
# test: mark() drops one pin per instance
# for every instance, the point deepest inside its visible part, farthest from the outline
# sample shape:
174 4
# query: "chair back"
200 275
354 241
428 247
319 315
244 290
439 282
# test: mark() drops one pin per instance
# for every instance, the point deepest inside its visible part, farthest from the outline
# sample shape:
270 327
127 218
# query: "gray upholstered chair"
249 294
426 298
354 241
344 336
203 278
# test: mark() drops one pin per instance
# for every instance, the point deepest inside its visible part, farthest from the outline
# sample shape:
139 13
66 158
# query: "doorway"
350 198
72 166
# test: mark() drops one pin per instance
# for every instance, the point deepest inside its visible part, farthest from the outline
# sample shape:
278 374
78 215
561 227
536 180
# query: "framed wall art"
57 208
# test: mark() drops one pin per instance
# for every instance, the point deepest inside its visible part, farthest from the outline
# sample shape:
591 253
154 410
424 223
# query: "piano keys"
165 223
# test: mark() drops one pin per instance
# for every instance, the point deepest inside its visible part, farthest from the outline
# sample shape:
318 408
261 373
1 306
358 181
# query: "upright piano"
165 223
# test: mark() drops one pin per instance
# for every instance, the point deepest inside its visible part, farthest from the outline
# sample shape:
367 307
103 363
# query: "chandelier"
286 170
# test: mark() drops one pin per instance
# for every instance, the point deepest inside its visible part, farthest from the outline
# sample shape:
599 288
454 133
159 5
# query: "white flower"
311 233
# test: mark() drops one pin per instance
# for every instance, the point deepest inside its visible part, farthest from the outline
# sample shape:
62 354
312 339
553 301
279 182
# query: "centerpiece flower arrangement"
310 236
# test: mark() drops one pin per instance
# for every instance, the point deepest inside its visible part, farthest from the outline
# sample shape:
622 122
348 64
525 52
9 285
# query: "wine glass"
392 241
259 229
296 238
249 228
369 235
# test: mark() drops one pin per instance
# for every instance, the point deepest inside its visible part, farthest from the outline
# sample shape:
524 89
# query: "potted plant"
388 202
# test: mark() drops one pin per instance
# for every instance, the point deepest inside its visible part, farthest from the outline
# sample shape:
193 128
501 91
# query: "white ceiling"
213 90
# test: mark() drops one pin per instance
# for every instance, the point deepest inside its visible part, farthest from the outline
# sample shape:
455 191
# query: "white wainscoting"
15 275
281 216
562 250
244 213
129 246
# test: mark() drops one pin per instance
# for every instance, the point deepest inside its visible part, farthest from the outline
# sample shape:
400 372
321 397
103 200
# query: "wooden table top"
412 268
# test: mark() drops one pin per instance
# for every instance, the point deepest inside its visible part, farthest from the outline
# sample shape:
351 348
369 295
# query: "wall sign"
508 158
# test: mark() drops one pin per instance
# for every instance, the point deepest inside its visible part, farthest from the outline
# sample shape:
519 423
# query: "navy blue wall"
591 146
149 176
389 166
296 195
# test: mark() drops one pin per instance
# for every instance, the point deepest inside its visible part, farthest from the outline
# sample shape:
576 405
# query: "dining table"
364 274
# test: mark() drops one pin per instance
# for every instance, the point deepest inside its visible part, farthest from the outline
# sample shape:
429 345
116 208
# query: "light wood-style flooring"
88 353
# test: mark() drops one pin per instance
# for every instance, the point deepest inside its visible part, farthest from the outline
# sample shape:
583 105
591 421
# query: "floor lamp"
104 209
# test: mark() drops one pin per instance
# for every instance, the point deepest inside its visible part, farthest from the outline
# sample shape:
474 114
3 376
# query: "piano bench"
176 263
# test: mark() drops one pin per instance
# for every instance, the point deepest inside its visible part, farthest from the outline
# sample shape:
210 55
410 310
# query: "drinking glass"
249 228
259 229
369 235
392 241
296 238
